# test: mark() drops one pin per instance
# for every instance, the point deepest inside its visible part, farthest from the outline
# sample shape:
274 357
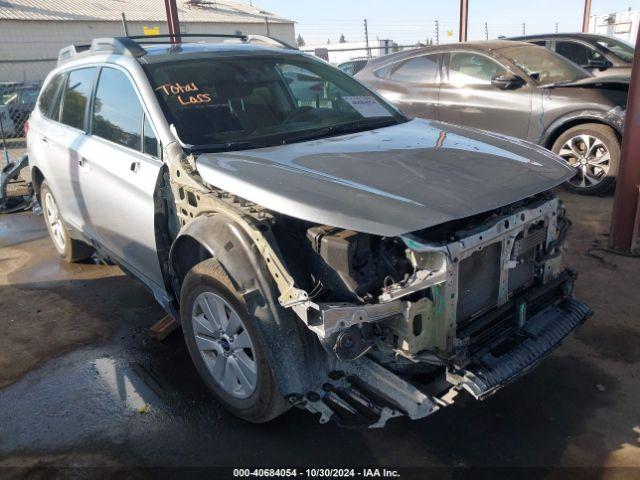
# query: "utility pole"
125 30
587 14
556 27
437 33
524 28
464 17
366 38
266 22
625 218
172 20
486 31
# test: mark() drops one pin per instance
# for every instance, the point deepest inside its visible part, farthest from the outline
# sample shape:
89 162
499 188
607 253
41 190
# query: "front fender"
295 354
612 117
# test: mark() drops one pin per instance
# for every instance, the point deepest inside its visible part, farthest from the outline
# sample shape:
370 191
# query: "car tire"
594 150
238 348
69 249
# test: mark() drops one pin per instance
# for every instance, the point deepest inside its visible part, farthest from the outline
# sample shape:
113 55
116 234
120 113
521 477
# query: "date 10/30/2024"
186 94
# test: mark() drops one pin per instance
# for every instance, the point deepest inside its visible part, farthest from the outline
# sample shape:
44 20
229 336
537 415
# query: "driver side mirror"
506 81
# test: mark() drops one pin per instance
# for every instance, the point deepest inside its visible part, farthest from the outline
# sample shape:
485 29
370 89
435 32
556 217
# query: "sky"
409 21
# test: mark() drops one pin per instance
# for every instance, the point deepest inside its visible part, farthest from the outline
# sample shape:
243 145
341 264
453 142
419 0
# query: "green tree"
342 39
300 41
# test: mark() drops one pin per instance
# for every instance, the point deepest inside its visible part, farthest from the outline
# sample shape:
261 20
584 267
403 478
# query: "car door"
467 96
122 157
62 141
413 85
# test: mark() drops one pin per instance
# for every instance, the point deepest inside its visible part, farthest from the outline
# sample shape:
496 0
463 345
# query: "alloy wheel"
54 221
589 156
224 345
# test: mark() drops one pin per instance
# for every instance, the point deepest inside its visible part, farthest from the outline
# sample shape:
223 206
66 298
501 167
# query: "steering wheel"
296 113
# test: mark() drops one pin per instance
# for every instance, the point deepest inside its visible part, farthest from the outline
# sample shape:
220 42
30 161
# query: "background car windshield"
232 101
620 49
543 66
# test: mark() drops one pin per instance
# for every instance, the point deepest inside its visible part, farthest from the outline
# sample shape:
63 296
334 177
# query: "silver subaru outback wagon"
319 249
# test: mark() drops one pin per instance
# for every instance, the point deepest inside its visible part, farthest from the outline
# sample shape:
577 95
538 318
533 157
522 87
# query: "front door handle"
82 161
135 167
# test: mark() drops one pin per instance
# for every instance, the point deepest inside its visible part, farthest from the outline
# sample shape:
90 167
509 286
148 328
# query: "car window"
543 66
50 96
76 97
347 68
541 43
423 69
246 103
28 97
577 52
150 144
467 68
117 113
619 48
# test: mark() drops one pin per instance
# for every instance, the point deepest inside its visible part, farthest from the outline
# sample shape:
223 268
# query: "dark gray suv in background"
517 89
599 54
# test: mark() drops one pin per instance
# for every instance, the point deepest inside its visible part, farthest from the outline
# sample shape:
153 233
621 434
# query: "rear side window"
117 113
49 97
417 70
76 97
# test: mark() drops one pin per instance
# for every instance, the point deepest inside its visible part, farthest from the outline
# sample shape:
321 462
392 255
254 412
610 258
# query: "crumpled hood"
391 180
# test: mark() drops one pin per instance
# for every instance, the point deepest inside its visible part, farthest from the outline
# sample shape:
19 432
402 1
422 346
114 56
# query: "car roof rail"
243 38
71 51
133 45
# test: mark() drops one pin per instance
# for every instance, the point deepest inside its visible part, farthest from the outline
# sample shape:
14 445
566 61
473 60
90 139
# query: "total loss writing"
186 94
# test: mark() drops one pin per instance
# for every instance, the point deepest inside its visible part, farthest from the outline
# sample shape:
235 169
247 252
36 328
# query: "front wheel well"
186 253
551 139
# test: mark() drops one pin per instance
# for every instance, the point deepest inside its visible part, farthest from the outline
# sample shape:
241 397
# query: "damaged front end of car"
407 322
401 323
471 305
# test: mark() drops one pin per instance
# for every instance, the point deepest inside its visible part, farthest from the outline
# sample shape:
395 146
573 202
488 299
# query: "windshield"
239 103
543 66
620 49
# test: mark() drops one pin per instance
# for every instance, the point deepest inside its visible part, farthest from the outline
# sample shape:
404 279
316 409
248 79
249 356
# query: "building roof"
135 10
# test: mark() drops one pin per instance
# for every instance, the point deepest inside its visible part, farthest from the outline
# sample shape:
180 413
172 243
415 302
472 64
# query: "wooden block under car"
162 328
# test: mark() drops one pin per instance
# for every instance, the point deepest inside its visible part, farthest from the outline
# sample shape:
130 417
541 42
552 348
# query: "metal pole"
556 27
587 14
172 20
524 28
437 33
124 25
266 22
628 179
366 38
464 16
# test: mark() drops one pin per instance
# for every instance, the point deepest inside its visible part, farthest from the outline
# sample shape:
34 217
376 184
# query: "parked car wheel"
225 345
70 250
594 151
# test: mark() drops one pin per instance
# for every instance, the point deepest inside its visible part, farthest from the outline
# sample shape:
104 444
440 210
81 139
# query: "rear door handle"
82 161
135 167
44 140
